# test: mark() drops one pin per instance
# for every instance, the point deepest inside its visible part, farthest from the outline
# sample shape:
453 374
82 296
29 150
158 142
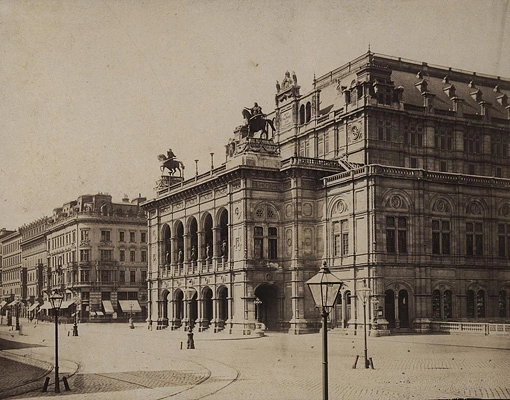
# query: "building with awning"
33 307
2 304
129 306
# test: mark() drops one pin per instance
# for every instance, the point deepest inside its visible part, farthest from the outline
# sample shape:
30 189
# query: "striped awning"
2 304
33 307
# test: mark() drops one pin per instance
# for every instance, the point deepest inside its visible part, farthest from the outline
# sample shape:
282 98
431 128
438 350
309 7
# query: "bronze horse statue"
256 123
172 165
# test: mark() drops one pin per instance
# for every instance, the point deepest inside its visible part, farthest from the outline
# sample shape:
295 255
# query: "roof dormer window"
450 91
421 86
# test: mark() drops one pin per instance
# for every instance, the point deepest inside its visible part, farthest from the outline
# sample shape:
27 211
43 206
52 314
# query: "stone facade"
97 253
395 173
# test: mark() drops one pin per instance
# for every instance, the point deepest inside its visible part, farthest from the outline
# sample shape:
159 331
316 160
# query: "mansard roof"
472 88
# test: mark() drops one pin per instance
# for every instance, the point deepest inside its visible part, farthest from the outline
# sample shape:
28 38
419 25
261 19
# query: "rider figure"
256 111
170 154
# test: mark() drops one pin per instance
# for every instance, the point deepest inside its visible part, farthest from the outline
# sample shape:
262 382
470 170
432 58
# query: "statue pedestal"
164 184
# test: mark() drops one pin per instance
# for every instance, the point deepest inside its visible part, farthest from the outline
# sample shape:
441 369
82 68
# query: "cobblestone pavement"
114 362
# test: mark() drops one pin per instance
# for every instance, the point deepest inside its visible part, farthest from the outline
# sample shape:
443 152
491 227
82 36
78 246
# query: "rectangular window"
105 236
499 173
143 256
106 255
443 138
143 237
122 276
122 237
84 275
390 235
474 239
258 247
504 240
440 237
337 239
106 275
396 235
472 142
84 235
471 169
344 226
132 256
273 243
413 162
443 166
132 276
84 255
131 237
144 276
123 255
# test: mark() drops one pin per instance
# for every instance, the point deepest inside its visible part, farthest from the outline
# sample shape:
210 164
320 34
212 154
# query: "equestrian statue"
256 121
169 162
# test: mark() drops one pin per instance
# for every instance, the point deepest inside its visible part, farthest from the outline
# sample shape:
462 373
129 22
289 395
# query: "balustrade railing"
480 328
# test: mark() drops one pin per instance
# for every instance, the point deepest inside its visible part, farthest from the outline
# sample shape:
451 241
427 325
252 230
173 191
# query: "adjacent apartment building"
91 249
395 173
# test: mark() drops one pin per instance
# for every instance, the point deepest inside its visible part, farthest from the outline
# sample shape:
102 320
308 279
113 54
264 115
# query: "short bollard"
46 383
355 362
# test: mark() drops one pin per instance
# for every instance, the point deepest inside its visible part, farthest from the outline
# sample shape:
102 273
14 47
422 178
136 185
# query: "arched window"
436 304
167 245
224 234
193 233
179 235
480 304
308 111
502 304
208 238
447 304
302 114
470 304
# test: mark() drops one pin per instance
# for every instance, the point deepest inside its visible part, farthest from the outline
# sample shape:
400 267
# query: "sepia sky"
92 91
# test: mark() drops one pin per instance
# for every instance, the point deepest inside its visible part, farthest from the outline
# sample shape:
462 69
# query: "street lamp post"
363 295
17 306
75 325
324 288
131 325
56 301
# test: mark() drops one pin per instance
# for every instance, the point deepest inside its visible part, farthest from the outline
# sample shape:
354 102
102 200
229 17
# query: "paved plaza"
111 361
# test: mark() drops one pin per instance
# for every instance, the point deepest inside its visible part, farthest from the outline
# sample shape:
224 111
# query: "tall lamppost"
17 306
363 295
56 301
76 310
324 288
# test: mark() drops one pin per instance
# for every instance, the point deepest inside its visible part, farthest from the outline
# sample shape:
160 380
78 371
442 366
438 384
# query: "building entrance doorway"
403 308
389 308
208 306
266 308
